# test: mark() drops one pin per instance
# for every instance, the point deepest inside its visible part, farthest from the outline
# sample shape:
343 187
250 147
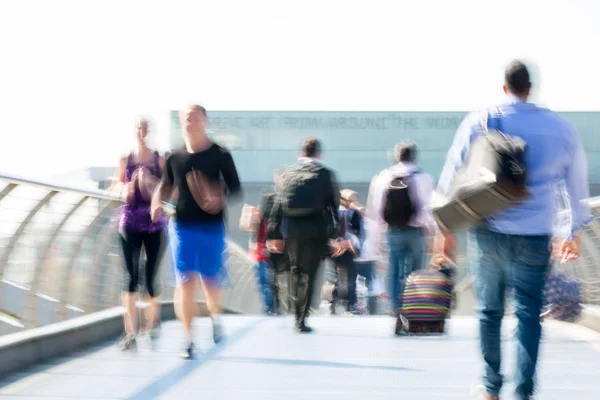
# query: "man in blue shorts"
203 174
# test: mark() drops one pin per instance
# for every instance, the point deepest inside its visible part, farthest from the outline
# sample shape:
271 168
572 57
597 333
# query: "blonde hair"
143 119
348 194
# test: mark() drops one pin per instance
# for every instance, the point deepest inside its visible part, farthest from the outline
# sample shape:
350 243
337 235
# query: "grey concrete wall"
27 348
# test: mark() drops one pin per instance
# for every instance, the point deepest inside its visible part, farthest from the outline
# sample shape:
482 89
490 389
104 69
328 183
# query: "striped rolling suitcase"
427 300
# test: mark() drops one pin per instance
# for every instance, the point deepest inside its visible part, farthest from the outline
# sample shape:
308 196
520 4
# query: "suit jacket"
321 225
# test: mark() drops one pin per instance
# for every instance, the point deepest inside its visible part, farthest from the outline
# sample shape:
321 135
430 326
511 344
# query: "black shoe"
332 307
218 333
188 352
303 328
353 310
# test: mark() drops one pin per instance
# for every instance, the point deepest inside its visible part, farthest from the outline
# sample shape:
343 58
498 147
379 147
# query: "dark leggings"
132 242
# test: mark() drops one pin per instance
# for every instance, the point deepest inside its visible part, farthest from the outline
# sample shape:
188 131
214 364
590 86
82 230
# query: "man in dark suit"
305 237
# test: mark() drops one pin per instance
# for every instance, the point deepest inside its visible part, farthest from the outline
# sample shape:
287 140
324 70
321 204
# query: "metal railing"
587 267
60 256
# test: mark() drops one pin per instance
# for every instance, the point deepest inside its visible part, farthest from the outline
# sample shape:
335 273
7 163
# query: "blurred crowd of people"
306 219
352 239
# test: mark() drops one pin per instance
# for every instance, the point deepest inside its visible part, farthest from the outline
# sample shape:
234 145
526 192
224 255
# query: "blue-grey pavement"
346 358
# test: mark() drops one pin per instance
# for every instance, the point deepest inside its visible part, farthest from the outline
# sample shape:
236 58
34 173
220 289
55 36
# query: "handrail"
593 202
168 207
89 251
18 180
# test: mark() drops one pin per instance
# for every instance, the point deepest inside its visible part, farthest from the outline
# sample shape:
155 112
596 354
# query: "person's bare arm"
120 187
163 192
147 182
117 186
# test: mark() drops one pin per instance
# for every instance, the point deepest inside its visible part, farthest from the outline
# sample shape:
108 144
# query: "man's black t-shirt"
215 163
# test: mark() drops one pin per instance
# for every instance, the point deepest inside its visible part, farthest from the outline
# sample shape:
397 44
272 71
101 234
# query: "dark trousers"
305 255
367 269
154 245
281 285
345 265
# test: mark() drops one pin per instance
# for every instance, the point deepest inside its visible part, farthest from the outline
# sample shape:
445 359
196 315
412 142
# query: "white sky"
74 74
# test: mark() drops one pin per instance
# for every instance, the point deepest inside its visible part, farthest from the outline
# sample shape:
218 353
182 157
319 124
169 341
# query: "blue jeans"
367 270
520 263
407 254
265 283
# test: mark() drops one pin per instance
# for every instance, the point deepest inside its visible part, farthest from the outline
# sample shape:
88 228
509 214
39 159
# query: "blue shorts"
198 248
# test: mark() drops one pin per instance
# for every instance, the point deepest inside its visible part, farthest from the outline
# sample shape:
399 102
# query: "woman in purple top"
139 172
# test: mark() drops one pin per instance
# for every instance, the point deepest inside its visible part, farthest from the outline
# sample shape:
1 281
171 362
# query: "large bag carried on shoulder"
493 178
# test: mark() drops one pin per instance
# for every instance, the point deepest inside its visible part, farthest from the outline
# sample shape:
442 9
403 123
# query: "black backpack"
302 191
398 208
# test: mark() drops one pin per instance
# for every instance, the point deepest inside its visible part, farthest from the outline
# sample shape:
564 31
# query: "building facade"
356 144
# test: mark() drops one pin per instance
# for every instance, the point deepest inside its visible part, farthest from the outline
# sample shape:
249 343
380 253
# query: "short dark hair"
516 78
311 147
406 152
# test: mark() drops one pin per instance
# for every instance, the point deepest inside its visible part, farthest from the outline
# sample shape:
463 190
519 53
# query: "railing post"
15 237
6 191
